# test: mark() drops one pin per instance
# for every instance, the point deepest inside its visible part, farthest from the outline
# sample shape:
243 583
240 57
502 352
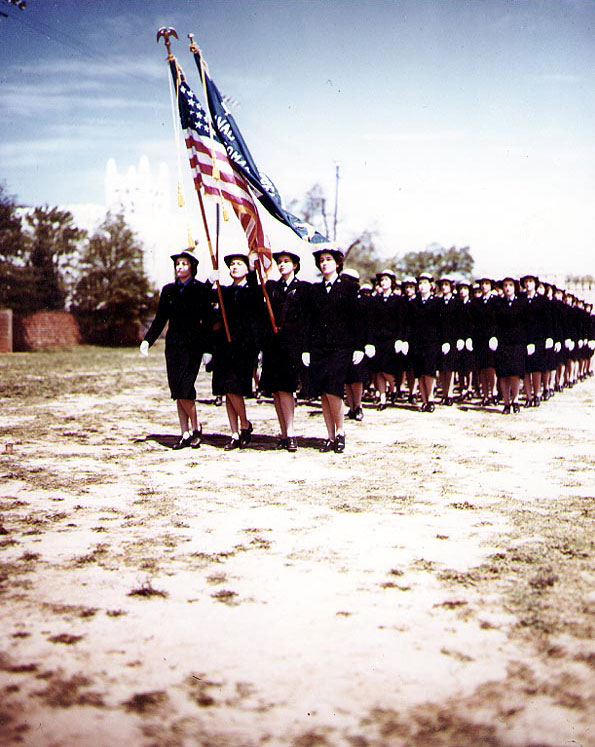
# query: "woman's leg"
287 409
328 418
187 415
280 415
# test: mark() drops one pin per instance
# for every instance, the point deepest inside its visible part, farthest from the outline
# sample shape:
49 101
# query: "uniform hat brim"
295 257
187 253
238 255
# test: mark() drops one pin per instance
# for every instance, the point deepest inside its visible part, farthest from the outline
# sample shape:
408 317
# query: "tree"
360 252
113 294
53 240
361 255
15 276
437 261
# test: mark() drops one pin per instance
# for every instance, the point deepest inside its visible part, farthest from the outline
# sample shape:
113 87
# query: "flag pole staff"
195 50
166 33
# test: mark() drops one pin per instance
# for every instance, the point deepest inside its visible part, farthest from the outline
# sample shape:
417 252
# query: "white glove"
567 343
591 344
469 344
405 347
357 357
460 345
446 348
530 348
571 345
580 343
398 346
144 348
370 351
306 359
493 344
206 358
213 276
549 343
557 347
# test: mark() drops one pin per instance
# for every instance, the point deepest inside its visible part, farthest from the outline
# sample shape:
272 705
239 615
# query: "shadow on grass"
218 440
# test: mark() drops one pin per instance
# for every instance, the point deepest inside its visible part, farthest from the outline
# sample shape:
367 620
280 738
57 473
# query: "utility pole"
337 166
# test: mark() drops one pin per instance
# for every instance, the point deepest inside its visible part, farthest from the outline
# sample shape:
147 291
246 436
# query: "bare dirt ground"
432 586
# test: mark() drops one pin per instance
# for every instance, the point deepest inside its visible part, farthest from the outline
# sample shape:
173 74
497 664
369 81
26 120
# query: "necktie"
328 287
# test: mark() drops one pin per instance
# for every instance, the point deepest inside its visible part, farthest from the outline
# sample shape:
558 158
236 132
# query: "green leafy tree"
15 276
360 251
53 241
113 293
437 261
361 255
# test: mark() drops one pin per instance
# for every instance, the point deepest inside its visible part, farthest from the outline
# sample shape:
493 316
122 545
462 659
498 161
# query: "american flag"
212 170
239 154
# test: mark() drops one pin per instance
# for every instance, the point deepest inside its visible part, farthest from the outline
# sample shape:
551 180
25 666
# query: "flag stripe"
205 153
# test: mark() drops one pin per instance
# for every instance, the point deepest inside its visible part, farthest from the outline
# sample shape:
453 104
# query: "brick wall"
5 330
44 329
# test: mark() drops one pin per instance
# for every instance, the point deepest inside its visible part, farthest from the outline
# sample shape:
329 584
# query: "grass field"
432 586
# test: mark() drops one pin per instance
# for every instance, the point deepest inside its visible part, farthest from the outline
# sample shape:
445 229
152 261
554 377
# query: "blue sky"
460 122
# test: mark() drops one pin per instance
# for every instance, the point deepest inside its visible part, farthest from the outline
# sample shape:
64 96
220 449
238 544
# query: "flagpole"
166 33
267 300
195 50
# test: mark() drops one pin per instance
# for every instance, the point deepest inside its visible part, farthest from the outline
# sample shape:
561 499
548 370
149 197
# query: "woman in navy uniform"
483 339
234 362
387 323
449 317
465 358
539 338
511 345
405 362
426 339
281 356
186 305
334 341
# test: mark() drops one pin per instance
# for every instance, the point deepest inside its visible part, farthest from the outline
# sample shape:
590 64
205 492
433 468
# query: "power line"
66 40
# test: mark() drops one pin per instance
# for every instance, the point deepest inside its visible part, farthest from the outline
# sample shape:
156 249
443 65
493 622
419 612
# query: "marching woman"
334 340
539 339
426 339
484 340
234 362
358 375
510 343
465 359
186 305
409 292
387 323
281 356
449 320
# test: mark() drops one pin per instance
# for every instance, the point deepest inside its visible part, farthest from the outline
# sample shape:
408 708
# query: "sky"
460 122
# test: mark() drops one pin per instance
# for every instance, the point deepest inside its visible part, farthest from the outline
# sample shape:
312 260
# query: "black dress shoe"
281 444
182 443
195 439
381 406
536 401
233 443
359 415
291 444
340 444
245 435
516 407
506 410
430 407
329 445
351 414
